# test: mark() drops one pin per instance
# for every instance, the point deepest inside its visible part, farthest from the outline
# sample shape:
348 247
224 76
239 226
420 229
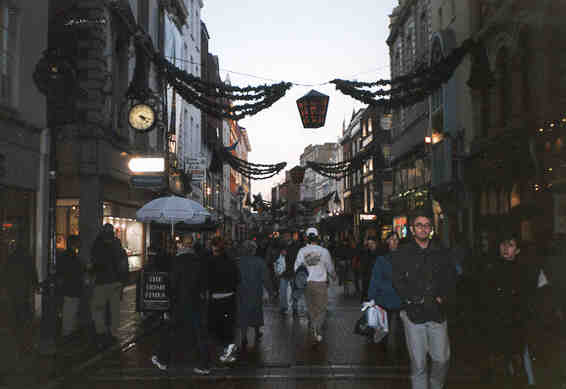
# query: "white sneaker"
156 362
227 355
201 370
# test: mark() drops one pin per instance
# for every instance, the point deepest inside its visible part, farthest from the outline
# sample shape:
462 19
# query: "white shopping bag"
377 319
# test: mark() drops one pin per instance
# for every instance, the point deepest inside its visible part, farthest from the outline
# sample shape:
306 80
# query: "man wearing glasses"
424 277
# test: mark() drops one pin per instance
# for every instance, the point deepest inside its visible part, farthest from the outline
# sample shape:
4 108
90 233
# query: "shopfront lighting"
147 164
428 139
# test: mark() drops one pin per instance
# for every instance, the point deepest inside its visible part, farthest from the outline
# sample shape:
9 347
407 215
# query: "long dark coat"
254 275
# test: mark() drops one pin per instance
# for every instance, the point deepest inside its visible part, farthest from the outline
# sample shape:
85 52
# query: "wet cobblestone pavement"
283 358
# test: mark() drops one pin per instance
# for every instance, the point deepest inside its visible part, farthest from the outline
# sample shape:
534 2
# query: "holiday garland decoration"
409 89
342 169
217 99
250 170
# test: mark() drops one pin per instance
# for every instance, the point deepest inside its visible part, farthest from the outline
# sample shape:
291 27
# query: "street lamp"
241 194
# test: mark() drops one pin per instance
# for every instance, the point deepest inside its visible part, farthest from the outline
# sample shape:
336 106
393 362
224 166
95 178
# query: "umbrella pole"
173 232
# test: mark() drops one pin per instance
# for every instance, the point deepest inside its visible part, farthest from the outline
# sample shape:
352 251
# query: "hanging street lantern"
297 174
313 107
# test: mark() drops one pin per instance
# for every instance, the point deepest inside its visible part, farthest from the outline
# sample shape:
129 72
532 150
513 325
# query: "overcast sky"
308 42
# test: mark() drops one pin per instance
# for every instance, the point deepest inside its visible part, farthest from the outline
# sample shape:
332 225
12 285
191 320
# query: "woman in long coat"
254 276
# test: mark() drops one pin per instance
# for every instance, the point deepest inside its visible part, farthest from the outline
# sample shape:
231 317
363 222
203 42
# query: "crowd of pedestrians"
218 289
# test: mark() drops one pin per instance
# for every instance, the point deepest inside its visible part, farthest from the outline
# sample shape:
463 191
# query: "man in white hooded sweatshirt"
319 265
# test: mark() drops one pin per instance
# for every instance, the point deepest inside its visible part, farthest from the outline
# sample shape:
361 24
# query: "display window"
130 233
17 220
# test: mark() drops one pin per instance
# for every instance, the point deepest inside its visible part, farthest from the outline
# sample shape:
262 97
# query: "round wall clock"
141 117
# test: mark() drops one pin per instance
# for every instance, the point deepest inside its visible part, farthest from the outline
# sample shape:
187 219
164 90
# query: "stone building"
515 169
409 47
93 184
23 132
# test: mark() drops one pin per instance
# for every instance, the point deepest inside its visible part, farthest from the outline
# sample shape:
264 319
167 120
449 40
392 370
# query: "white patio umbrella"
172 210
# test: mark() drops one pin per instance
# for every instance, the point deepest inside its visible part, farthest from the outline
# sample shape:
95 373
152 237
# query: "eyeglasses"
420 225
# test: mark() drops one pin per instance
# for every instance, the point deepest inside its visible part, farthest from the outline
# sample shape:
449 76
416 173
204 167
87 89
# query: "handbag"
362 328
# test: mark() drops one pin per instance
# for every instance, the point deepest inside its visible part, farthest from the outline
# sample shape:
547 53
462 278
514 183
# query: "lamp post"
55 76
241 194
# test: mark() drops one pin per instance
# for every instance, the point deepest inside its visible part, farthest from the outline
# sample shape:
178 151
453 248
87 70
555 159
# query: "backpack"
301 276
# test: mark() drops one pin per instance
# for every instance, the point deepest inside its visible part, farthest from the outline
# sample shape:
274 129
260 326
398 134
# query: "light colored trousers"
70 314
103 294
316 295
422 339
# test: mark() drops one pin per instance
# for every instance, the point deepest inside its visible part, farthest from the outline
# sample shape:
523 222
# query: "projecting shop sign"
197 167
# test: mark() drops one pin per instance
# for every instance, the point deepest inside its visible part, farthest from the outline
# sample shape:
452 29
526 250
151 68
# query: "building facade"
24 134
409 47
515 169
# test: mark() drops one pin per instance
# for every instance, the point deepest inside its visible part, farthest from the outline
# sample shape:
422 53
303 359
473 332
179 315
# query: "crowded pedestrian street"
282 194
282 358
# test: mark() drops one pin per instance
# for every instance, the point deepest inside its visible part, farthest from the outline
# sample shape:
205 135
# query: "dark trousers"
222 319
394 341
179 330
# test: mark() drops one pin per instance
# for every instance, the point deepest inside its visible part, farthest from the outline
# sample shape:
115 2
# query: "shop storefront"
130 232
17 221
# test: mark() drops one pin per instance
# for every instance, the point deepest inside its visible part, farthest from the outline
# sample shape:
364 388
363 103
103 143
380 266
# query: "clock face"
141 117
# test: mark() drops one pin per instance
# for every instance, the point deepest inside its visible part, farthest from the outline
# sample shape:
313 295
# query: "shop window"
515 196
483 204
527 230
17 219
503 201
492 202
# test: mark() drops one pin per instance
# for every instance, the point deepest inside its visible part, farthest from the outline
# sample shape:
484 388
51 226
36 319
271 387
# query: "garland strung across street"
250 170
342 169
408 89
217 98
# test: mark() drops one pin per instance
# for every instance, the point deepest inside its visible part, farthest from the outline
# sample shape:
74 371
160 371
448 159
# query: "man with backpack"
110 270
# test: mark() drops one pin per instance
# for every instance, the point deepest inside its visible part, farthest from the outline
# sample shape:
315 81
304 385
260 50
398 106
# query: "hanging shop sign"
196 167
367 217
313 107
154 291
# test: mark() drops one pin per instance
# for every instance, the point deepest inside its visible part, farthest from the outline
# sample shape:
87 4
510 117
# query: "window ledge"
12 115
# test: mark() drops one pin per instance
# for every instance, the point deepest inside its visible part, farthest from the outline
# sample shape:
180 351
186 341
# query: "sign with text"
197 167
155 291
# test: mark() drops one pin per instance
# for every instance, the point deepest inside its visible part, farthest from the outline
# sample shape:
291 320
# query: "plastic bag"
376 318
280 266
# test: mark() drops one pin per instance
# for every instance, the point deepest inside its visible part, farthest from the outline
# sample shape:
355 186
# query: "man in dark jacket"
110 269
188 285
70 277
424 277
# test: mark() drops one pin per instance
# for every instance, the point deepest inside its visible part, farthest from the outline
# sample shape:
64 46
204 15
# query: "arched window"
503 87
